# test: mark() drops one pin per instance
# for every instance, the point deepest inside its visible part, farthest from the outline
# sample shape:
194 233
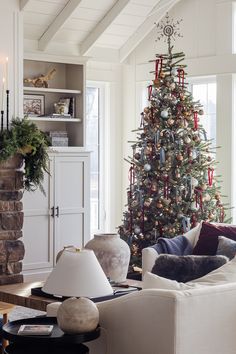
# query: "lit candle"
6 73
3 93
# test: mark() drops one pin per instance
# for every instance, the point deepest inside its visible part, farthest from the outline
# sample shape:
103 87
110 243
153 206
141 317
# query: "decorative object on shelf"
77 315
77 273
58 138
61 108
24 138
34 105
41 80
113 254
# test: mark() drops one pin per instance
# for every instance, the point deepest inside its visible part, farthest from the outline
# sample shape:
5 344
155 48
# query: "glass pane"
212 98
200 93
92 138
206 94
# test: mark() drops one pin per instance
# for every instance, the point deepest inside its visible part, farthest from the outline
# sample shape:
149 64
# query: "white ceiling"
91 25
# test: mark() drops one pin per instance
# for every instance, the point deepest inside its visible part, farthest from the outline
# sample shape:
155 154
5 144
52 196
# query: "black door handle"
57 213
53 212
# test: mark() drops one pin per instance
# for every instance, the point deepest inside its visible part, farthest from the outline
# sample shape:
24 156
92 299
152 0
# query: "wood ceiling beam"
100 28
23 4
57 24
156 15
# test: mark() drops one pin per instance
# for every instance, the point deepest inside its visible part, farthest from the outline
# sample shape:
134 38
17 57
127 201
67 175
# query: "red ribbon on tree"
181 77
195 120
189 150
149 92
210 176
131 175
161 60
156 69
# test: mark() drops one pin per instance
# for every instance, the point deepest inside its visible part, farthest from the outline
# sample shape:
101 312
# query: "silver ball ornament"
147 167
137 230
164 114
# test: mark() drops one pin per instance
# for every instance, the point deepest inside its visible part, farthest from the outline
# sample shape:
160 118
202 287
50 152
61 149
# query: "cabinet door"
71 201
38 226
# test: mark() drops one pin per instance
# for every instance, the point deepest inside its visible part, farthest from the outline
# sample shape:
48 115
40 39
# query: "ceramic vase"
113 254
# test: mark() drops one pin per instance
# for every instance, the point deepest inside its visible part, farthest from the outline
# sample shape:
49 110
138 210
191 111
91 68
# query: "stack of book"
58 138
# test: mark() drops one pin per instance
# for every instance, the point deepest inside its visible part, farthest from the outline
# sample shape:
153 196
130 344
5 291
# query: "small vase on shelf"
113 254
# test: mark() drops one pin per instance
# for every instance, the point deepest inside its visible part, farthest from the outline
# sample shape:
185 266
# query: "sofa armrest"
155 321
132 324
149 256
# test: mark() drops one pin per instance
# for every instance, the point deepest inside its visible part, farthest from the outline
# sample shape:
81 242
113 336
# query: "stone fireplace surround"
11 221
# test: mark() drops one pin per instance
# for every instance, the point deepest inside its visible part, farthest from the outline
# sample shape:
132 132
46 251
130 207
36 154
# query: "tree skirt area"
20 312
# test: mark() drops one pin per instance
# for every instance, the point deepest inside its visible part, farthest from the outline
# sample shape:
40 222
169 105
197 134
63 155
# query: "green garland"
26 139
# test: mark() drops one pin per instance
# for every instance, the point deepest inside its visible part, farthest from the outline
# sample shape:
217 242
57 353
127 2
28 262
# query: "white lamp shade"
78 273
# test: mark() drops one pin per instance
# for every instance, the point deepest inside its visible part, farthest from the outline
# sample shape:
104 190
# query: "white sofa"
149 255
197 321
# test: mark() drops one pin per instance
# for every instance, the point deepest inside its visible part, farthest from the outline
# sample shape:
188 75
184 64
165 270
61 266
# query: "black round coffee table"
57 341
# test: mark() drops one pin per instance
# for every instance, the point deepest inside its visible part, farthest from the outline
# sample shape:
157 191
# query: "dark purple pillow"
208 239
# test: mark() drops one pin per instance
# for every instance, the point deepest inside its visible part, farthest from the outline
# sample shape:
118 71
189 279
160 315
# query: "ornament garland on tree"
172 181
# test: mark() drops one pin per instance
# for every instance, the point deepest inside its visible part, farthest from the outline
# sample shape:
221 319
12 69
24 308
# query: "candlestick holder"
2 117
7 92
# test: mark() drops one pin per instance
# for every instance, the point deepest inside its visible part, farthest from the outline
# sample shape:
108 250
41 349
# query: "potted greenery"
25 139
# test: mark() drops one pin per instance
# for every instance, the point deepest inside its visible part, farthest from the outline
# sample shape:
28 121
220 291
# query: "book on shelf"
35 330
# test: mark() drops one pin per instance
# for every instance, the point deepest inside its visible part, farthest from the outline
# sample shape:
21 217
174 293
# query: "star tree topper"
168 29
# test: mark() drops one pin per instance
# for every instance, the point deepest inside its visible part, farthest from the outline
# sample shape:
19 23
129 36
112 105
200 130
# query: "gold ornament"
170 121
162 74
217 196
179 157
146 110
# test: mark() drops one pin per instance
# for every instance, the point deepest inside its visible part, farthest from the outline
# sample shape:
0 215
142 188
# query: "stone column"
11 221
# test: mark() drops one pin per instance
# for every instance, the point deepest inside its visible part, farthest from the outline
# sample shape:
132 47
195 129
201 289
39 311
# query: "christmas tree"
172 185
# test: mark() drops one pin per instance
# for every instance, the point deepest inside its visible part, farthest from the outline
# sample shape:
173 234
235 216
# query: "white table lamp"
78 273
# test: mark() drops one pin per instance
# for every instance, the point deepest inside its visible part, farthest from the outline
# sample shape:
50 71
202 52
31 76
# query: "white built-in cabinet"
58 218
61 216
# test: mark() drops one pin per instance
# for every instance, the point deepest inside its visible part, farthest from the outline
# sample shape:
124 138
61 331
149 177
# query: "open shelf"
66 86
50 89
57 119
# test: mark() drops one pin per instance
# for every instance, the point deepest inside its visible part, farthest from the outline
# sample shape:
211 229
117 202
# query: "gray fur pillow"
186 268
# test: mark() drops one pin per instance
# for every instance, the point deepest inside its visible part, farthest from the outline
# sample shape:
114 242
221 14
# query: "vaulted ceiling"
91 27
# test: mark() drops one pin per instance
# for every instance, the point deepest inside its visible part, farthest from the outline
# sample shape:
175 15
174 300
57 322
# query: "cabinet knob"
57 213
52 212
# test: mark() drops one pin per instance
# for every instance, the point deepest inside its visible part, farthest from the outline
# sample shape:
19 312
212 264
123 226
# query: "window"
94 131
204 90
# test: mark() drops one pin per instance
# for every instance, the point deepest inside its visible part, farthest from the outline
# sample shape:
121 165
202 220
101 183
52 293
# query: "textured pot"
113 254
77 315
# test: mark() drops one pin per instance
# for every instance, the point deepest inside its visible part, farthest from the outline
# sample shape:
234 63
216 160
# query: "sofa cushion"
226 247
208 239
186 268
222 275
153 281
